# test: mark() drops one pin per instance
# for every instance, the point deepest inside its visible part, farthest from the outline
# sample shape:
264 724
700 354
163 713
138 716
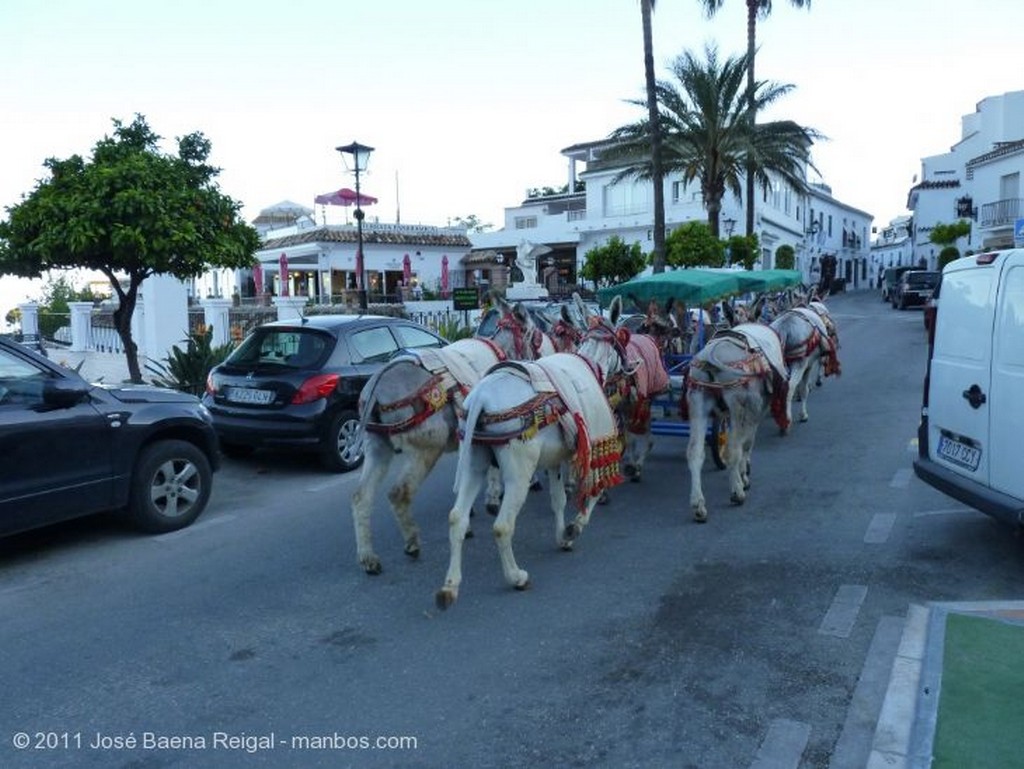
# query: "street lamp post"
730 225
360 158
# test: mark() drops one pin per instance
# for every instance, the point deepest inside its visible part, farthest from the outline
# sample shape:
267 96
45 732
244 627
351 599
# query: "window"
967 332
373 344
624 199
411 337
526 222
1010 328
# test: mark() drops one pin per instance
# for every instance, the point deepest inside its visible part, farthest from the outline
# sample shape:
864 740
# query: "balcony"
1001 213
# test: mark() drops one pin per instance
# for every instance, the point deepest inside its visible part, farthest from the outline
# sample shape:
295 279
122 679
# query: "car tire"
342 450
170 486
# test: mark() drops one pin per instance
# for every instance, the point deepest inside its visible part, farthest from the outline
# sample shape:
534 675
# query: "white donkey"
806 348
740 371
408 415
525 416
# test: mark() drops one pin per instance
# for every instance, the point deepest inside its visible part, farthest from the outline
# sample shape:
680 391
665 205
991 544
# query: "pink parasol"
345 197
282 264
444 275
407 270
257 278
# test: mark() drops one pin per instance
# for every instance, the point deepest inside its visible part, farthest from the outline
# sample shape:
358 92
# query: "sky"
468 104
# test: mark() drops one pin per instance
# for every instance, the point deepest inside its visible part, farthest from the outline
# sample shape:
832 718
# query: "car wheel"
236 450
170 486
343 450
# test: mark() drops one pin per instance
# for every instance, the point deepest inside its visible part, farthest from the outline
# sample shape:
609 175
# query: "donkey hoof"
570 533
535 486
413 550
372 566
524 584
630 471
566 545
445 598
493 508
737 499
604 499
469 534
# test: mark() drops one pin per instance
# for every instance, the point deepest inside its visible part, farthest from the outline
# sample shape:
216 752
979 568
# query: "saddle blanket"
764 338
649 374
812 317
467 360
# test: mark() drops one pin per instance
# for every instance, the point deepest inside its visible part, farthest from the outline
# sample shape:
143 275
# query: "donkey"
741 371
541 414
408 416
806 347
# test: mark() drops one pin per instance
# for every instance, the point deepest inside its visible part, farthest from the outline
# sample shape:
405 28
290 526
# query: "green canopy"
691 287
766 280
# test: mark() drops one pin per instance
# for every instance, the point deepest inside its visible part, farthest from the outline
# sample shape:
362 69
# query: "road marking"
842 614
948 511
205 523
783 746
901 479
880 528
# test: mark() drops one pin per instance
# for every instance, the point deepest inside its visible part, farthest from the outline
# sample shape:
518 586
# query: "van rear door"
1006 399
960 377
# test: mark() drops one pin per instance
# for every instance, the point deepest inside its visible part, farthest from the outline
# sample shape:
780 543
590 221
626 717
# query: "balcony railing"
1001 213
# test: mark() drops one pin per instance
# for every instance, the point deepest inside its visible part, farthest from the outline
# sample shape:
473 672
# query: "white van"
971 436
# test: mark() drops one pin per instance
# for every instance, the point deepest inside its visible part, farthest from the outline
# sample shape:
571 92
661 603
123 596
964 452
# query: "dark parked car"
915 288
296 383
72 449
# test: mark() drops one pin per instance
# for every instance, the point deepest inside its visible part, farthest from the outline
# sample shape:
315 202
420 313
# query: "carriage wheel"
718 437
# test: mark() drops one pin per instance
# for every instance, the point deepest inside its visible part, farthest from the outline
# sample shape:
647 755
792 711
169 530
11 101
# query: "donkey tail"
474 407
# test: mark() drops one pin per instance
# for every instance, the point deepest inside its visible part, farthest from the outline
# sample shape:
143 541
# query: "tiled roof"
936 185
394 236
1001 148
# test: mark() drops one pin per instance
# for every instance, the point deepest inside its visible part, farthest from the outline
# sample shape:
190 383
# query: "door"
958 407
1006 403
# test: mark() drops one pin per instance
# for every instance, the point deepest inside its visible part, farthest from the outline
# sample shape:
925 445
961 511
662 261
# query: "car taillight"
315 388
211 388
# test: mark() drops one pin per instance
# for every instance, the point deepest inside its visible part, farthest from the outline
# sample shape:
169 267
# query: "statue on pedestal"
527 258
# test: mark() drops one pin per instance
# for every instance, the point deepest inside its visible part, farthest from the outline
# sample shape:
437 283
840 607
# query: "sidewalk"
105 367
956 694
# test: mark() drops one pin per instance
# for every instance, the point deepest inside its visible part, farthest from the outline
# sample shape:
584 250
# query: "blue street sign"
1018 234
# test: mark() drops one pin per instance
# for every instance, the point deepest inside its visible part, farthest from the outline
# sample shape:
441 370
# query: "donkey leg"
492 499
575 529
804 389
377 459
557 495
698 408
458 525
516 469
417 462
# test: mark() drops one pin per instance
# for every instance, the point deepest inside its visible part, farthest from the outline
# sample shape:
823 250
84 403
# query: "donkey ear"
730 314
615 310
566 315
669 305
521 315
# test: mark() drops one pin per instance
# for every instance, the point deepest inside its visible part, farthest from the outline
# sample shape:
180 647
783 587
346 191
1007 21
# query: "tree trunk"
657 174
752 6
123 323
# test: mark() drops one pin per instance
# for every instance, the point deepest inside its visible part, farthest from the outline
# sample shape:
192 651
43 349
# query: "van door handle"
974 396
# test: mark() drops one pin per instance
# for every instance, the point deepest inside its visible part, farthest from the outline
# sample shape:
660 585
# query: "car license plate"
250 395
959 453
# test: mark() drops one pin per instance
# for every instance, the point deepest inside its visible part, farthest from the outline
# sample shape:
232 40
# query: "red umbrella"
407 270
282 264
345 197
257 278
444 274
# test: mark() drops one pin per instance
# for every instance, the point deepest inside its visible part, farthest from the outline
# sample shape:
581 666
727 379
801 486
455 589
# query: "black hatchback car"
296 383
915 288
72 449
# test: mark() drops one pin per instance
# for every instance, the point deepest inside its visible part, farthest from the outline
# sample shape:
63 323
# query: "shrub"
947 255
186 370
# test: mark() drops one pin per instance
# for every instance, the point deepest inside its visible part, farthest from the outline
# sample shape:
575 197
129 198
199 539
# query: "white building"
894 247
977 180
595 208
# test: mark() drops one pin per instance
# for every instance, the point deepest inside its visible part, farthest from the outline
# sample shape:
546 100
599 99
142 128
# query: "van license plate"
248 395
959 453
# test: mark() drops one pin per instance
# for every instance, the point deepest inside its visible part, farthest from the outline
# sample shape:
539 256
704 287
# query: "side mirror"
64 393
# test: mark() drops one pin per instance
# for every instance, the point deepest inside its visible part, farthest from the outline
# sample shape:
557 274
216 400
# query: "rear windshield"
297 348
929 279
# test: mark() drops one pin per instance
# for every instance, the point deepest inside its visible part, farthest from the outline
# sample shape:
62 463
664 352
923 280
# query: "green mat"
981 701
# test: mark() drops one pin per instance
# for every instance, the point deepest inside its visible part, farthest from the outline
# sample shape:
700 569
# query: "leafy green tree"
657 169
948 234
755 9
785 257
694 245
472 223
744 250
132 211
613 263
708 136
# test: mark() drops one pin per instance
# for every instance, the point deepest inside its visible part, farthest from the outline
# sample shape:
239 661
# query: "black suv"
915 288
296 383
71 448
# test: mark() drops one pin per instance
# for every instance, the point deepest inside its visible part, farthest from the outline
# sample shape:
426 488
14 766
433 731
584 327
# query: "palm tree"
755 8
708 135
657 174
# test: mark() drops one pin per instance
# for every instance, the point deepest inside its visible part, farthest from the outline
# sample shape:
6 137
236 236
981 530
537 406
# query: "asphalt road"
761 639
